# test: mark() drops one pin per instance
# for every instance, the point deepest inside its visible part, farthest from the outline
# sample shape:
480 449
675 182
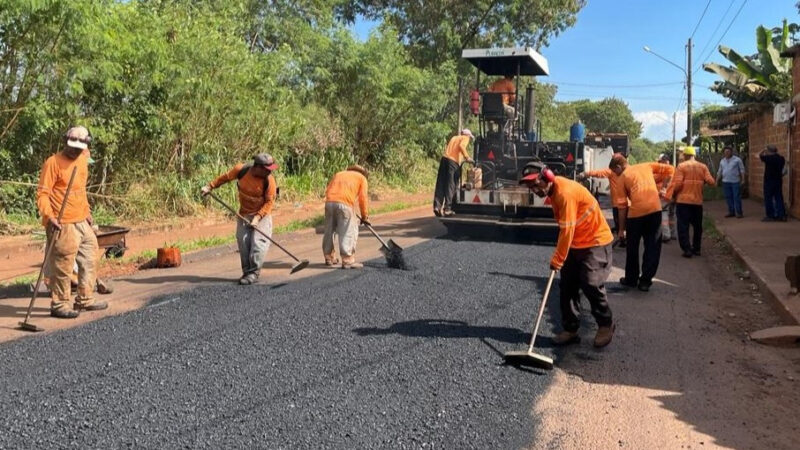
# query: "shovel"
527 357
392 251
296 268
24 325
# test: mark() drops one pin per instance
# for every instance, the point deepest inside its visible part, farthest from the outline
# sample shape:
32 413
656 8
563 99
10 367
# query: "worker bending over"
641 221
345 189
688 192
615 192
449 165
583 251
257 192
72 238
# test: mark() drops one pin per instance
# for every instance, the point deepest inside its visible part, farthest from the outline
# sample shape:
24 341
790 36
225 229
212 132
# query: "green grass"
300 224
23 280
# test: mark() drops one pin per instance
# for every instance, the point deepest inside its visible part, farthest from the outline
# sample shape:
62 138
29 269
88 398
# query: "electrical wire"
711 38
726 30
615 86
701 19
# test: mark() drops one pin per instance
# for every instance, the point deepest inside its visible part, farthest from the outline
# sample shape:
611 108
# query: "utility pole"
674 145
689 92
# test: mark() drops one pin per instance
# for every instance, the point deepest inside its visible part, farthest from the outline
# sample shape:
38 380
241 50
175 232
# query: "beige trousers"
342 221
75 243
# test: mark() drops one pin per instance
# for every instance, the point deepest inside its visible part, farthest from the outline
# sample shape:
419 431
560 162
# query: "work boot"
331 261
644 286
448 213
623 281
95 306
250 278
729 215
566 337
686 254
104 287
603 336
64 313
696 252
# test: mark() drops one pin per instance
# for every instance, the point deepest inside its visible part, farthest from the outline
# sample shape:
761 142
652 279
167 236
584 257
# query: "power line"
726 30
615 86
701 19
711 38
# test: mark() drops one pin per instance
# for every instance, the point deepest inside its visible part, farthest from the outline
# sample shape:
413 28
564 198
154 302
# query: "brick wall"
762 132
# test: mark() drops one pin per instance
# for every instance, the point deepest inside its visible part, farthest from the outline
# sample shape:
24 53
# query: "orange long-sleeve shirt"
252 198
507 88
580 220
639 185
617 194
688 183
349 187
53 181
456 149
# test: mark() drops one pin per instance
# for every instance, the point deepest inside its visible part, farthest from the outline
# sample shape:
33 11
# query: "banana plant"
758 78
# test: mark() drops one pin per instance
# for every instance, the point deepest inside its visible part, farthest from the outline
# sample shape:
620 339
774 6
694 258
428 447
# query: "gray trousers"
252 245
342 221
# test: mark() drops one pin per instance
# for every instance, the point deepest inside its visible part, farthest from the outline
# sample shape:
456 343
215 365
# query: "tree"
610 115
763 77
436 32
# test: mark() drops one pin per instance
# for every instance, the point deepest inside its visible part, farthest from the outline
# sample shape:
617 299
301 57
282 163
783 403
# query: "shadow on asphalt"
444 328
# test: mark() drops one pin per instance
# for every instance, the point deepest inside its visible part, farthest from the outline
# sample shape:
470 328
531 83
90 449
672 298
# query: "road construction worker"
72 238
668 231
615 192
640 218
257 193
346 189
583 252
449 165
687 190
506 87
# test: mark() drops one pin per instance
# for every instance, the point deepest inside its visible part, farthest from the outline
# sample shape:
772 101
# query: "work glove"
254 222
365 222
205 190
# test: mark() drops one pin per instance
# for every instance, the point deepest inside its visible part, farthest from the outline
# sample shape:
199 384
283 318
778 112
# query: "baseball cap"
266 160
78 137
467 132
663 157
531 172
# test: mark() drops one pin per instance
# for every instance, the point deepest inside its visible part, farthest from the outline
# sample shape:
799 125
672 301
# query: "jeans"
733 197
253 245
585 269
445 190
690 215
646 229
773 198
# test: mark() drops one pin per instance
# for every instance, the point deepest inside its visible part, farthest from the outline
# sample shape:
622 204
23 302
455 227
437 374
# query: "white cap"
77 138
466 132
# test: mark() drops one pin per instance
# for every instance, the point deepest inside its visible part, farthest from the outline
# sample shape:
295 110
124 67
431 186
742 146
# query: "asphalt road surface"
383 358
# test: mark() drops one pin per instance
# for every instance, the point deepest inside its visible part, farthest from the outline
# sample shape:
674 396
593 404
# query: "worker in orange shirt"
667 205
688 192
583 251
72 238
257 193
615 192
641 221
506 87
345 190
449 165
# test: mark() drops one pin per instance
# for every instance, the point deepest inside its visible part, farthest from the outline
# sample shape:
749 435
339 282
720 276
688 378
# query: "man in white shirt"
731 173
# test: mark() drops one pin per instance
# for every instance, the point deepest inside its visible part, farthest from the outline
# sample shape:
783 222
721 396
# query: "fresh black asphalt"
376 358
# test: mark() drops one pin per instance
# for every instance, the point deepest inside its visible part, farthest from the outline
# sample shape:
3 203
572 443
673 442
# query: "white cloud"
657 125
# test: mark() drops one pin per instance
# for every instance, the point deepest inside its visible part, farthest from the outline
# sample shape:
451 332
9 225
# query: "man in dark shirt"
773 184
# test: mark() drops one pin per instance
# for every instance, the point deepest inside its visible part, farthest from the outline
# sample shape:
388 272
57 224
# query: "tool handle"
541 309
49 245
236 213
374 233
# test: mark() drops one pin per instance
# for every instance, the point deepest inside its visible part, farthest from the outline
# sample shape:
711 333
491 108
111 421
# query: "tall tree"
435 32
610 115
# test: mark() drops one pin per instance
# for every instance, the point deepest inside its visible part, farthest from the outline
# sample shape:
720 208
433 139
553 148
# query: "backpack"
246 168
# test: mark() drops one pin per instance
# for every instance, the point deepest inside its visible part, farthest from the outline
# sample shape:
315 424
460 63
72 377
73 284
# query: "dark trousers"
733 196
445 185
646 229
615 215
585 269
773 198
689 215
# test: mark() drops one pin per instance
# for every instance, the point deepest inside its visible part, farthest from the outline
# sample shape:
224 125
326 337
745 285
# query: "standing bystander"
731 173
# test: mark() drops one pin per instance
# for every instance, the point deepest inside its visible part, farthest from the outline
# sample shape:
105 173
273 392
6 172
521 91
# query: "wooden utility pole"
674 144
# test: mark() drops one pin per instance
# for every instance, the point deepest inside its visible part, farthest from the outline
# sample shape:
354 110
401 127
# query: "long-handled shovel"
528 357
24 325
392 251
301 264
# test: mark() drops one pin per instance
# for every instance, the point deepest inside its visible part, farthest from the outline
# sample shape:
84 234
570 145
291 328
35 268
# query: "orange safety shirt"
456 149
348 187
639 185
507 88
252 199
53 181
617 194
688 183
580 220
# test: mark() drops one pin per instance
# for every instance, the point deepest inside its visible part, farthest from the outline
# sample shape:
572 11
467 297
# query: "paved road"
383 358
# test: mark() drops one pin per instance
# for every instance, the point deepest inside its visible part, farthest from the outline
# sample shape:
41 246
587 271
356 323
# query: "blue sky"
604 49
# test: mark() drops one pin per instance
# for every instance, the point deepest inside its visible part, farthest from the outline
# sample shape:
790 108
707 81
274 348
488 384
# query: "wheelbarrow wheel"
116 251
